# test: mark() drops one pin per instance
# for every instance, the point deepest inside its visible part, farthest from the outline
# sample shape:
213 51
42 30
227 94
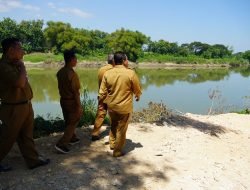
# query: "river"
182 90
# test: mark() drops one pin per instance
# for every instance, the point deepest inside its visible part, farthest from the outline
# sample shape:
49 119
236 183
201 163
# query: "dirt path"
197 152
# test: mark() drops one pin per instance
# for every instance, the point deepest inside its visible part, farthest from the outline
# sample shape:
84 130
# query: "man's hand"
137 98
20 66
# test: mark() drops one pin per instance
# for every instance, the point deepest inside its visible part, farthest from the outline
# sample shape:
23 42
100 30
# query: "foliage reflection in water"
186 90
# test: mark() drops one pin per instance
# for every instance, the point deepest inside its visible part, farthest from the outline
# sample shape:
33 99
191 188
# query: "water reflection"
157 84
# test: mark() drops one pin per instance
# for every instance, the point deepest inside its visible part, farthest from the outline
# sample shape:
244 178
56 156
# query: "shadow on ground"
187 122
88 166
162 116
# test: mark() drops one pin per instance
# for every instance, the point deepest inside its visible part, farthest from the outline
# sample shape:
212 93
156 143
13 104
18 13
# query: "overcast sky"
183 21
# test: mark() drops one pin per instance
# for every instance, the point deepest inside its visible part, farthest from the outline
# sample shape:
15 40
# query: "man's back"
9 74
68 83
102 71
118 87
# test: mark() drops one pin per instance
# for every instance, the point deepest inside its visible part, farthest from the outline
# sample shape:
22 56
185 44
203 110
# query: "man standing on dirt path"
102 107
117 89
16 112
69 86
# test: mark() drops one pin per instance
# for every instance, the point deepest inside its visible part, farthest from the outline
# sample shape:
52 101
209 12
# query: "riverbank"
142 65
191 152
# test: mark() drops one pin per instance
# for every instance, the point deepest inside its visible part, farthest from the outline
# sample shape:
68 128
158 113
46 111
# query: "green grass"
52 58
245 111
43 57
160 58
94 57
147 58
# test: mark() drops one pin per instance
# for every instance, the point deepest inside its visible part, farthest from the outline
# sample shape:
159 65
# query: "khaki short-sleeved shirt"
101 72
117 89
9 74
68 83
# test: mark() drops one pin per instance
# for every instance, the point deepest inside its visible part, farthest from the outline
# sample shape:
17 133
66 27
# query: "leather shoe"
95 138
41 162
118 154
5 168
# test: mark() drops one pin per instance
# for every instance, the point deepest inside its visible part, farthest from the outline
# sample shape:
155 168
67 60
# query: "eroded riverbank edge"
143 65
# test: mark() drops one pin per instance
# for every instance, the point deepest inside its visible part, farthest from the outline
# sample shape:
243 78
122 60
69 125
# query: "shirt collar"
120 66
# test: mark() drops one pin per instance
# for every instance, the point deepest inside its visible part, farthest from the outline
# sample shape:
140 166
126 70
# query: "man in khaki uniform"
69 86
117 89
16 113
102 107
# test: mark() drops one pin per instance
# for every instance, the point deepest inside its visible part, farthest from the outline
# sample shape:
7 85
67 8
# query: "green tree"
29 32
51 33
219 51
163 47
32 36
198 48
60 36
184 50
77 39
98 41
246 55
8 28
127 41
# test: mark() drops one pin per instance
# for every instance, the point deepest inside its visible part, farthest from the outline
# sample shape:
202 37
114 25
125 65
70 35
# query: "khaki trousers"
100 116
71 121
117 134
18 126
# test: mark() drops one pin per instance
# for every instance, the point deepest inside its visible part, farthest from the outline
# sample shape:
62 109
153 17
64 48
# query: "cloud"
8 5
51 5
71 11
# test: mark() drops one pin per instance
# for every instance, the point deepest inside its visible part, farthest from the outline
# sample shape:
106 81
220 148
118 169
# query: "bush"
89 107
245 111
45 127
154 113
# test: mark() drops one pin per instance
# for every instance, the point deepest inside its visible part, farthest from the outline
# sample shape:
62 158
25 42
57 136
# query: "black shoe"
5 168
74 140
41 162
62 149
95 138
118 154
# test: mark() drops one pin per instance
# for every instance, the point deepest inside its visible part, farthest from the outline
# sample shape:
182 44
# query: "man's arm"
103 90
76 88
13 75
136 87
22 78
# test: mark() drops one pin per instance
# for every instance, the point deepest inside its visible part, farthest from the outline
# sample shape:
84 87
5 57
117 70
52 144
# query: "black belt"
17 103
67 99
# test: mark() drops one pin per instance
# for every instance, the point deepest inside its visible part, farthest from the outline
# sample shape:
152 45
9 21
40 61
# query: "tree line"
56 37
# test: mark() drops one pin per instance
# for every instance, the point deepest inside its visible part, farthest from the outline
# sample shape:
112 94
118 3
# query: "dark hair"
110 59
68 55
119 57
7 43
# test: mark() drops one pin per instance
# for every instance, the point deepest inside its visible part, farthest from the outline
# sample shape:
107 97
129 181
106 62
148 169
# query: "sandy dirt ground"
196 152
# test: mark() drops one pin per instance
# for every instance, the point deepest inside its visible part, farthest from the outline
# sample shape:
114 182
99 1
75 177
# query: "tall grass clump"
246 110
46 126
153 113
89 107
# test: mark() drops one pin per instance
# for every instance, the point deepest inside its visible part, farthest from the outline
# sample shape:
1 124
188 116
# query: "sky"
224 22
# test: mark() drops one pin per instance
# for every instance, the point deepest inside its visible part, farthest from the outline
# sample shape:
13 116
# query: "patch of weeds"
154 113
